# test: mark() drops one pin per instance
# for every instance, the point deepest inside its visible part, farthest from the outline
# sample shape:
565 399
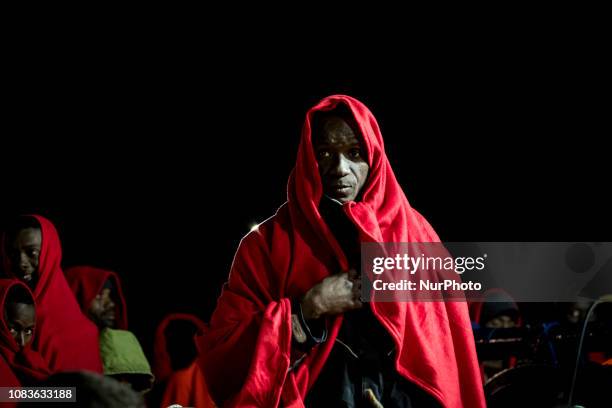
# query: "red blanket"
246 353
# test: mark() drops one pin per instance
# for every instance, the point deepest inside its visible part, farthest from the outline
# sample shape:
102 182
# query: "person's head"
20 315
103 308
499 311
340 153
23 246
180 344
124 360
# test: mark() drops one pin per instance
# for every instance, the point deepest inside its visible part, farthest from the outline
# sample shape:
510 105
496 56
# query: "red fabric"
188 388
162 367
7 375
246 353
7 379
86 282
27 364
66 339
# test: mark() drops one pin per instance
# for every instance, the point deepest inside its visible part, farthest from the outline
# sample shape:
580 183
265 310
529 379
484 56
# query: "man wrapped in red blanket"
289 328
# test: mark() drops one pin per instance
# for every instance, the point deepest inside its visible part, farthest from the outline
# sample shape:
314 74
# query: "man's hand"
334 295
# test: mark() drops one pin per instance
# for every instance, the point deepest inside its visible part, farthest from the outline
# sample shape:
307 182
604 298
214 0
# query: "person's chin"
25 277
29 280
339 198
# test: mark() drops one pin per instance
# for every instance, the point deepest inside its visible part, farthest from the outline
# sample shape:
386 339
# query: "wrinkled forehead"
337 126
335 130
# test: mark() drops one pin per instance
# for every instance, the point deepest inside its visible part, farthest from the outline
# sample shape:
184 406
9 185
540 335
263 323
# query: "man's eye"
12 330
28 331
355 153
324 154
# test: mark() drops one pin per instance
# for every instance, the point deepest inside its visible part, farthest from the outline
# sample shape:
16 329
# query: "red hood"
162 366
86 282
493 302
26 363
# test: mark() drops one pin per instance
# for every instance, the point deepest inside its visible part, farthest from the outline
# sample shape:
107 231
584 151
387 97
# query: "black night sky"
155 168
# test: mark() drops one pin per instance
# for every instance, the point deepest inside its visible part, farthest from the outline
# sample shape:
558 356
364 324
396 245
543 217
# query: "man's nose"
340 167
21 339
24 262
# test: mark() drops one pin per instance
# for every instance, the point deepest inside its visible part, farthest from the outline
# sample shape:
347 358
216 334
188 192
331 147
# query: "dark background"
155 165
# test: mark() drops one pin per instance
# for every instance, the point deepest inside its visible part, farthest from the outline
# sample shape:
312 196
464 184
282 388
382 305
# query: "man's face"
20 319
24 254
341 159
501 322
102 309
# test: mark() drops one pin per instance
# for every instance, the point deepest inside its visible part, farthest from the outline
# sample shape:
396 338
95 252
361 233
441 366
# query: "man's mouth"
27 277
341 188
109 316
340 185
